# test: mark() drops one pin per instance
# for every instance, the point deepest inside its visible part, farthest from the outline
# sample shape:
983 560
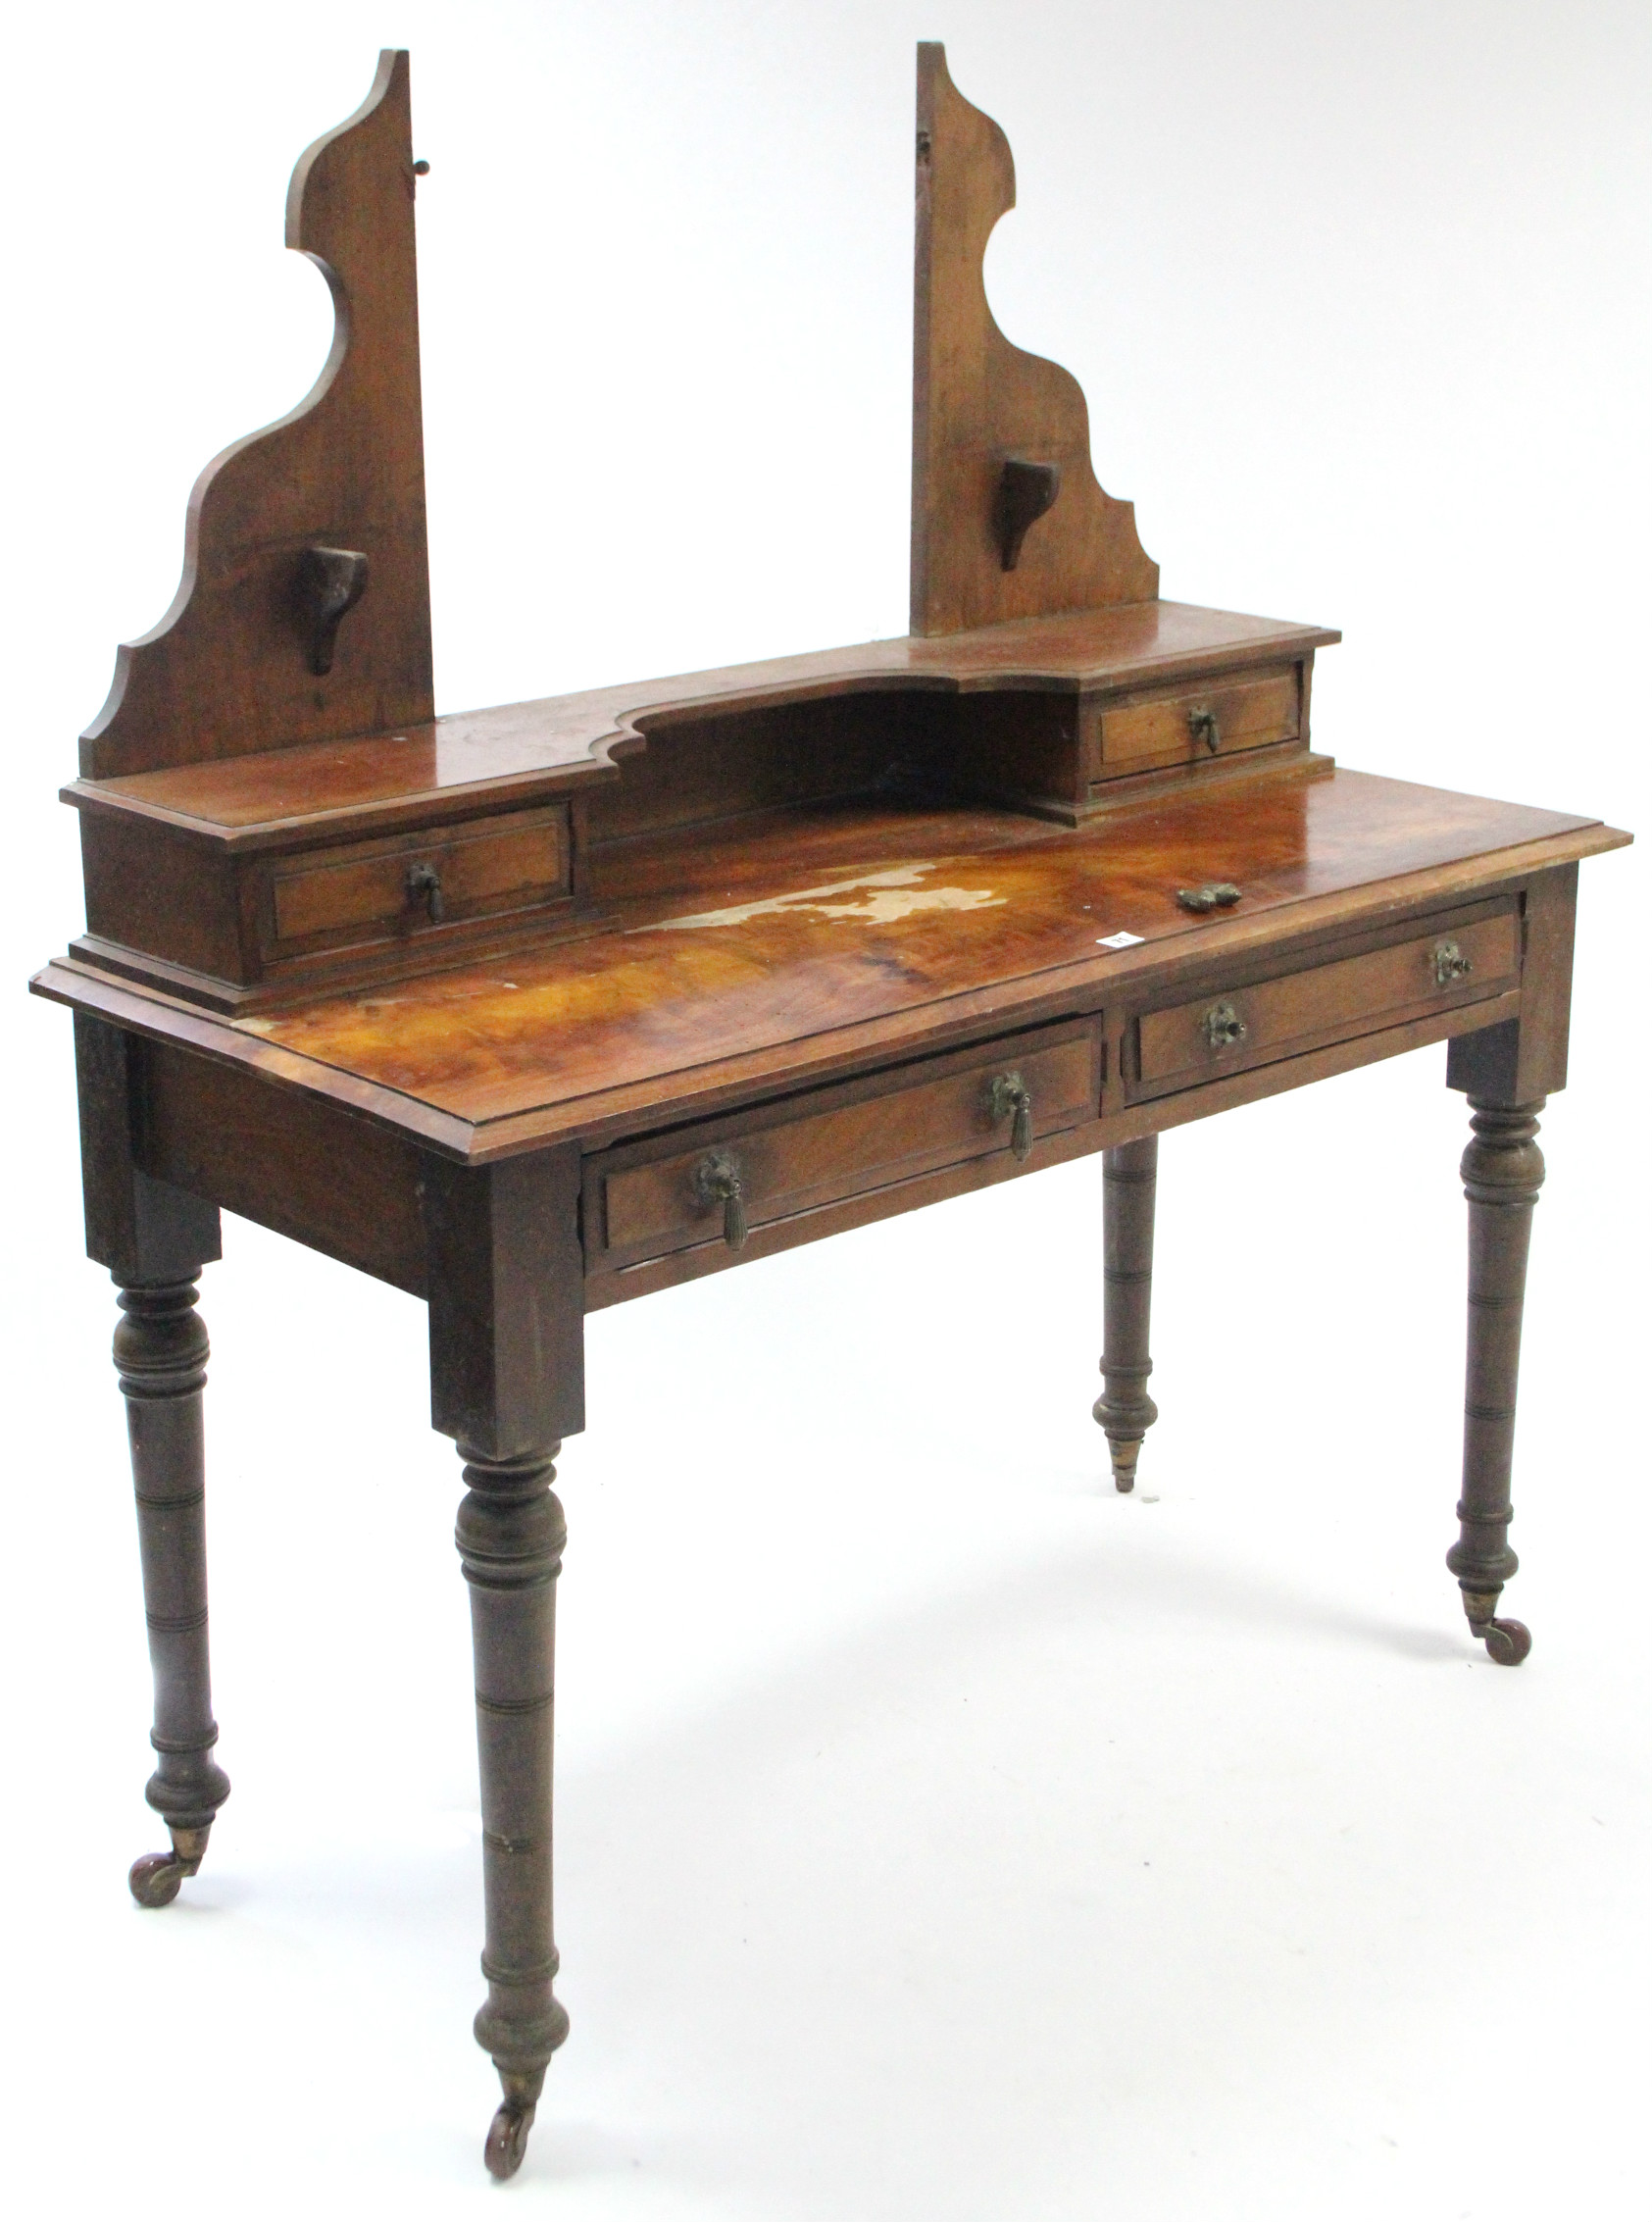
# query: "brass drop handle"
424 882
717 1180
1450 964
1202 725
1222 1026
1012 1099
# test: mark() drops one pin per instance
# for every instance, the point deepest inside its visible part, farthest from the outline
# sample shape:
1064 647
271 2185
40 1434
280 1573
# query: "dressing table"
532 1010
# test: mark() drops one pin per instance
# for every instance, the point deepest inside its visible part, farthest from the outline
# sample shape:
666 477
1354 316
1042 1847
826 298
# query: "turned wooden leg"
161 1356
1502 1172
511 1534
1129 1179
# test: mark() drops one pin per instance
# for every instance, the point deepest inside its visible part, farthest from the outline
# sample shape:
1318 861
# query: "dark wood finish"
878 912
1331 881
1502 1172
161 1358
305 1167
381 890
1522 1059
644 1201
507 1375
1026 491
230 669
1129 1186
978 403
527 751
535 1009
155 1237
1301 1009
1115 1126
144 1227
1185 725
511 1534
506 1281
191 886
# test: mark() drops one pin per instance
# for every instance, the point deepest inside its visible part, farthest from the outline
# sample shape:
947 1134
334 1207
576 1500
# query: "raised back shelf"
268 804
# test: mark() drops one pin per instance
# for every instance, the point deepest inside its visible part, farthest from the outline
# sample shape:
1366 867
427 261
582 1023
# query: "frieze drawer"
1221 718
415 884
715 1182
1230 1028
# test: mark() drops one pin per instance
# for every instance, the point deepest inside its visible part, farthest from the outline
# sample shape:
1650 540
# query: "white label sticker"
1118 941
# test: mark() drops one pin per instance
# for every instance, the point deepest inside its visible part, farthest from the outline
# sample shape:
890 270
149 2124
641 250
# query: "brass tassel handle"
1012 1100
1203 725
425 885
717 1180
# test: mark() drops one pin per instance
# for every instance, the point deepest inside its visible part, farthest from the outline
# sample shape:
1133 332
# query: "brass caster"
1124 1456
154 1878
507 2138
1506 1641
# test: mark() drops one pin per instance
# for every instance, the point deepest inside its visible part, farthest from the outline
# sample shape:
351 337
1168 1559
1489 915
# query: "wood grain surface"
977 403
810 922
274 799
227 671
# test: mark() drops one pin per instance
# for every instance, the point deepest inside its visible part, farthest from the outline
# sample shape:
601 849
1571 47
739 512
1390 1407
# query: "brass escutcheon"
1222 1026
1450 965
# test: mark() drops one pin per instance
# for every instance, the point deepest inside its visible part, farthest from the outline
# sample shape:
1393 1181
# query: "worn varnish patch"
549 1025
884 897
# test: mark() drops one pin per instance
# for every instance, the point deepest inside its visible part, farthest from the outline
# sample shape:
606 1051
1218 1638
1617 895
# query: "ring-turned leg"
1129 1179
1502 1172
511 1534
507 1383
161 1356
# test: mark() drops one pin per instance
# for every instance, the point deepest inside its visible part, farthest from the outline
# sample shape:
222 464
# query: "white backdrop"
939 1835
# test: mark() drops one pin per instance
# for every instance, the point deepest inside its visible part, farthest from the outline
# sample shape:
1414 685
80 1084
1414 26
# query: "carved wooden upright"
531 1010
253 654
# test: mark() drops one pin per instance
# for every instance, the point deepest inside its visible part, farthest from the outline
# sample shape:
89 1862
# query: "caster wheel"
154 1880
1508 1641
507 2139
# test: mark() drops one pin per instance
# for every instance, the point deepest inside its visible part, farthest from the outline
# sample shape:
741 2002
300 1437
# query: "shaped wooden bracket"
330 582
1026 491
995 431
289 523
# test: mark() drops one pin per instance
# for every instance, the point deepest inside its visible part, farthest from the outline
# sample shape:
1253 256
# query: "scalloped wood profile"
1007 518
266 645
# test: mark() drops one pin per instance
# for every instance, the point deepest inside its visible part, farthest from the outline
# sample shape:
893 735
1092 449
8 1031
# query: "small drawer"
647 1200
1230 1028
415 884
1221 718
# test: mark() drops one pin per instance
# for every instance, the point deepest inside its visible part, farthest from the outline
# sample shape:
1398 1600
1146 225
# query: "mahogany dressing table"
538 1009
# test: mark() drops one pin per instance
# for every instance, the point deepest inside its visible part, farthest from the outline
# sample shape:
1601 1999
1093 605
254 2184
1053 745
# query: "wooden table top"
780 949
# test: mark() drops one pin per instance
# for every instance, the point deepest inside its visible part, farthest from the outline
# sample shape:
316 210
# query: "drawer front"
1173 728
418 883
647 1200
1230 1028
